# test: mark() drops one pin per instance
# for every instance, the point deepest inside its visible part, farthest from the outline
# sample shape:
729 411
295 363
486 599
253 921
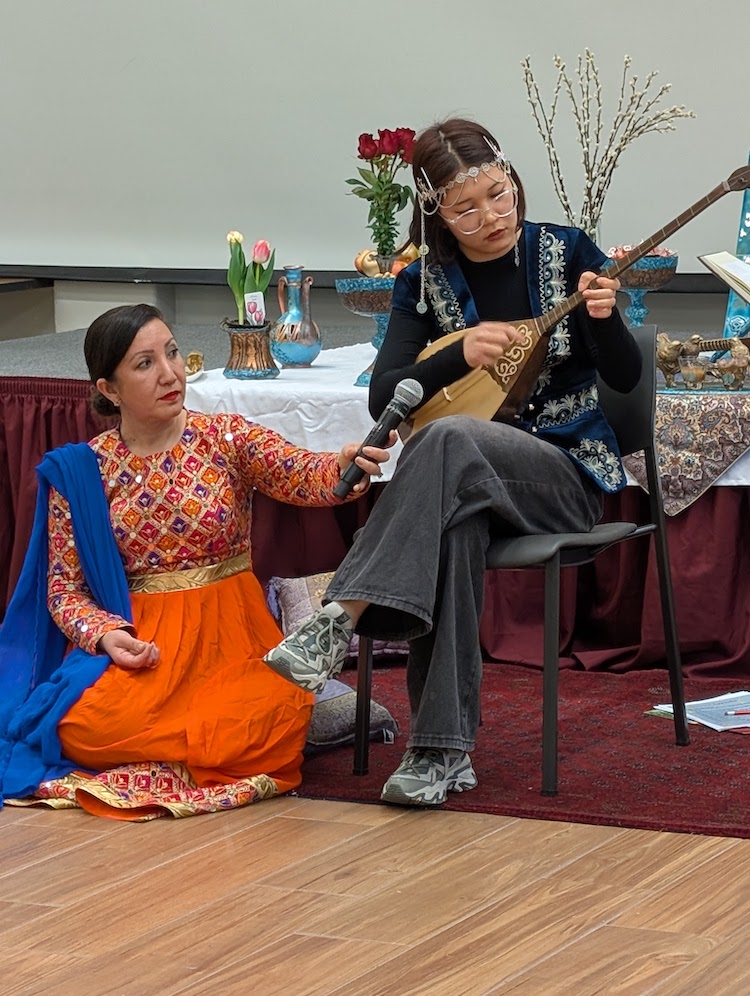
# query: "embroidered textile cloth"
146 791
699 435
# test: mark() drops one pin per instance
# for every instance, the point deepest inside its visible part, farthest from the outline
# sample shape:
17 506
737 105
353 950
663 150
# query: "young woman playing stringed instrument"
416 570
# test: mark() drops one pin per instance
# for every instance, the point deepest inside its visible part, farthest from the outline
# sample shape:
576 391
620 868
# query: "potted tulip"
249 281
249 335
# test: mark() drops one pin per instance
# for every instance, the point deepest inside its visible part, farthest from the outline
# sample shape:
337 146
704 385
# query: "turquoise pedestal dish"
370 297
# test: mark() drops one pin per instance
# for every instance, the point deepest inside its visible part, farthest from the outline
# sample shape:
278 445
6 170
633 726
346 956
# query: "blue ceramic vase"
295 338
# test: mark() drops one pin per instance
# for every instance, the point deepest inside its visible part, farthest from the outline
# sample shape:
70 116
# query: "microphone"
408 393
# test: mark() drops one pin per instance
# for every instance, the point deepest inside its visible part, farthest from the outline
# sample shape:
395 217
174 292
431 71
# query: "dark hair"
442 150
108 339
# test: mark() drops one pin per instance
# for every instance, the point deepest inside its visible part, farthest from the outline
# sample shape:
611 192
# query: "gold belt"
193 577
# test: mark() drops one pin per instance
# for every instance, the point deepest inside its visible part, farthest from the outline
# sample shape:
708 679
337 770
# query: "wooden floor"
292 896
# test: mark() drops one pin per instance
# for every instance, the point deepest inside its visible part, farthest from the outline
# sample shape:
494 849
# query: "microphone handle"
391 418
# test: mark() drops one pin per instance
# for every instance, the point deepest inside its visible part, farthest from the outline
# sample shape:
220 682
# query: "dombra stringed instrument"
501 390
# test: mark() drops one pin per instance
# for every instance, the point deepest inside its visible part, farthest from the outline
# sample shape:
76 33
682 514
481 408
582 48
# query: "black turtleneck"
498 286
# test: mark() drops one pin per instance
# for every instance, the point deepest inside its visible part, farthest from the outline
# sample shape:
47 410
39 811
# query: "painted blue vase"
295 338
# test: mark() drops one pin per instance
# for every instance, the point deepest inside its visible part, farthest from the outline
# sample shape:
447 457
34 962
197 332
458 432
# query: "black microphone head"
409 392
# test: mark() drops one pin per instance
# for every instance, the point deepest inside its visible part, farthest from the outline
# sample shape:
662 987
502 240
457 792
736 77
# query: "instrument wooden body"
485 389
502 390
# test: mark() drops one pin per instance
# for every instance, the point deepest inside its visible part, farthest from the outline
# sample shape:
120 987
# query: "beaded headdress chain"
431 200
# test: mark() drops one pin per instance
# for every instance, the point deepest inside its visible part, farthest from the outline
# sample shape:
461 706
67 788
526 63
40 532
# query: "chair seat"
574 548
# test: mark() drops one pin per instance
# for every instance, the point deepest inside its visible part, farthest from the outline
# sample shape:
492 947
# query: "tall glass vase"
370 297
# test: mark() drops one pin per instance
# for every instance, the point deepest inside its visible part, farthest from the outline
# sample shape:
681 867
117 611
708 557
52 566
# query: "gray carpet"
61 354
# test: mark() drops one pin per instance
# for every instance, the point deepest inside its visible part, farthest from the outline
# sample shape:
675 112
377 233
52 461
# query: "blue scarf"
38 682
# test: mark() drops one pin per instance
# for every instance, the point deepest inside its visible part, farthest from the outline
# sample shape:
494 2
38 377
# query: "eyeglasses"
469 222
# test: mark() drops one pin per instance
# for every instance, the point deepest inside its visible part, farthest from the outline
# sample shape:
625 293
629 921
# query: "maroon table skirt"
611 618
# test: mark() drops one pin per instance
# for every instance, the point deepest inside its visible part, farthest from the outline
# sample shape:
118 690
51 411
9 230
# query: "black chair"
632 418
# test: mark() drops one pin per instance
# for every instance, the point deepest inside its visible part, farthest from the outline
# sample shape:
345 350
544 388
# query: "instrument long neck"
550 318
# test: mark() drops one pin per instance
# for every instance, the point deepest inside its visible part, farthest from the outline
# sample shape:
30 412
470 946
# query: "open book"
733 271
730 711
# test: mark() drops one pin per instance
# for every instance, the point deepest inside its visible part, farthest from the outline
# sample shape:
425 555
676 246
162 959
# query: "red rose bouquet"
385 155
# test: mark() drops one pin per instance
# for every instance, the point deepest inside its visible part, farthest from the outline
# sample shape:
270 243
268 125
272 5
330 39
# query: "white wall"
139 133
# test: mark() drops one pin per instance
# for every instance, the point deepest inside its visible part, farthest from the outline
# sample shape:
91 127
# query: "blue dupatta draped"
38 682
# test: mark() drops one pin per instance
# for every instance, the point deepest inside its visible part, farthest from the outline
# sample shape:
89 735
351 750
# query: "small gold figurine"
668 353
194 363
732 370
693 345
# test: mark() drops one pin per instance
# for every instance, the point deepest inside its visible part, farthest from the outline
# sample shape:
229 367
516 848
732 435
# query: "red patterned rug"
617 766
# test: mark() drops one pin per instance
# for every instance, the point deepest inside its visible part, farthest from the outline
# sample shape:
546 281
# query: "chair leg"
674 662
362 719
671 641
551 674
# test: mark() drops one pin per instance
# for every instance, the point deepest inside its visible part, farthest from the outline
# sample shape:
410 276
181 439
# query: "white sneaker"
427 774
316 651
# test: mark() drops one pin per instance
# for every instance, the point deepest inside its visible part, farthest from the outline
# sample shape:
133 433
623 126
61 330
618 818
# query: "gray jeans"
420 558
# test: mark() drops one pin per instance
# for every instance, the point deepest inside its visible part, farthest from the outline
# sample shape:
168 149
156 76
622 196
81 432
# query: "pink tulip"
261 252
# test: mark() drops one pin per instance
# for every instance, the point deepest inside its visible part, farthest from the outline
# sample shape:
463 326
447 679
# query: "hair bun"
102 405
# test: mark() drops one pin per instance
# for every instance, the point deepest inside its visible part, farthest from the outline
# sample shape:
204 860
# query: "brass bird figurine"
668 352
693 345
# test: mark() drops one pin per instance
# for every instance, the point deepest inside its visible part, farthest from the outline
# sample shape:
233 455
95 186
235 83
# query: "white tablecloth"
320 408
317 407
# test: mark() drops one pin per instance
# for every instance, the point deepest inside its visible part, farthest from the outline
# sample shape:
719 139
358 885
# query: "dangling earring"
423 250
517 252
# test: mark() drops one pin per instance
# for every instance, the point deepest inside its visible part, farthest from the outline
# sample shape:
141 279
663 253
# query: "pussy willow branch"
635 115
545 126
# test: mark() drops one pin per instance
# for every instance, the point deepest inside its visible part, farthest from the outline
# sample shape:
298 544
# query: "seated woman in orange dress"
175 678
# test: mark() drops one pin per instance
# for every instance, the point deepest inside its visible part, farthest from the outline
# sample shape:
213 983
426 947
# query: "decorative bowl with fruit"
370 292
370 264
648 273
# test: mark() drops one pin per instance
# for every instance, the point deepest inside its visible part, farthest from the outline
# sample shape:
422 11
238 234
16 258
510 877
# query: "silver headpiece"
431 200
427 193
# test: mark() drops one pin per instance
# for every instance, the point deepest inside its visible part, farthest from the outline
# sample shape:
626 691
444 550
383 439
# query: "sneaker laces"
419 760
319 635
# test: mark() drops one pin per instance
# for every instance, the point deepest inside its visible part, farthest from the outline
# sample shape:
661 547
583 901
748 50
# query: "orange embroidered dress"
181 520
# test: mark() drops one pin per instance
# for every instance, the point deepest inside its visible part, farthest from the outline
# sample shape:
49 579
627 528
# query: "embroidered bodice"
185 508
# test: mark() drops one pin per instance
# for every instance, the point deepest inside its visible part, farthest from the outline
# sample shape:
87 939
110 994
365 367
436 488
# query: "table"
610 610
